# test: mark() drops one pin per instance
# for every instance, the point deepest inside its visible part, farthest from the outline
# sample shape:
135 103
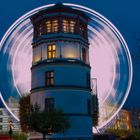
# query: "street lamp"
11 128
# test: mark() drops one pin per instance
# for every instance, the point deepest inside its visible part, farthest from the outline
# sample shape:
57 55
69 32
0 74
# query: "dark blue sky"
124 14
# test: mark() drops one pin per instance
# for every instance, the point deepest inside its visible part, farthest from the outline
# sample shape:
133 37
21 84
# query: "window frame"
69 24
49 78
52 26
51 52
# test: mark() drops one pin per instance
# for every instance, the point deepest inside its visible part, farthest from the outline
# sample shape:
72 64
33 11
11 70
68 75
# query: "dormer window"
51 51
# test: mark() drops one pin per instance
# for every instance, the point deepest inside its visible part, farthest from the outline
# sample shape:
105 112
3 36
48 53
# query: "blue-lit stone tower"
60 67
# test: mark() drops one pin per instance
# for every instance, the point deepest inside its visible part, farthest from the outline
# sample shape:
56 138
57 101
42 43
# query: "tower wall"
61 68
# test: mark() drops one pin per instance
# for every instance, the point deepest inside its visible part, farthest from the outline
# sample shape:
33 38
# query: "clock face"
110 62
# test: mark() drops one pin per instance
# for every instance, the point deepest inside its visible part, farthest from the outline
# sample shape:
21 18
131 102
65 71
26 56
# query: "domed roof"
58 8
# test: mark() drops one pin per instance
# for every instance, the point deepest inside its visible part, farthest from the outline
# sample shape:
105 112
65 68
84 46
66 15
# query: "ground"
4 137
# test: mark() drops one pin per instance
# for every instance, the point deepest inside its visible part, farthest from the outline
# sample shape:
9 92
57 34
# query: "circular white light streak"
106 35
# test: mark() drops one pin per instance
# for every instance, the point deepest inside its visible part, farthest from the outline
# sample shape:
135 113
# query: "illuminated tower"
60 66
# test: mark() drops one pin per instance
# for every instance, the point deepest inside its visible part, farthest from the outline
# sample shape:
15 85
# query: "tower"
60 67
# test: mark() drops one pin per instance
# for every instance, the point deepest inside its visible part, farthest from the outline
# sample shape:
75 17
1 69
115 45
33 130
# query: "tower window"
49 78
88 80
65 26
72 26
49 104
48 26
68 26
51 26
55 26
51 51
89 106
84 54
39 30
83 30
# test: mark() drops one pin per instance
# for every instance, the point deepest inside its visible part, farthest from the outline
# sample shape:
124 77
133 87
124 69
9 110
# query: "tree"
48 122
45 122
24 111
95 110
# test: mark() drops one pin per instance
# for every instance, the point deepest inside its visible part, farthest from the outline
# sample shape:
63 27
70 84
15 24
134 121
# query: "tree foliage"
48 122
20 136
24 111
95 110
45 122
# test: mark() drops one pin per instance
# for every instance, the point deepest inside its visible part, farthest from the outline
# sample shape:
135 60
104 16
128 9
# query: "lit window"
68 26
48 26
52 26
88 107
84 54
72 26
65 26
49 78
49 104
51 51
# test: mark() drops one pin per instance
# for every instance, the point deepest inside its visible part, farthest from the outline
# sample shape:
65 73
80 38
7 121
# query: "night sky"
124 14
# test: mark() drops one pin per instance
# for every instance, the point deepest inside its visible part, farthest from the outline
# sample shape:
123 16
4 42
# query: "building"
60 67
135 119
121 121
6 117
128 119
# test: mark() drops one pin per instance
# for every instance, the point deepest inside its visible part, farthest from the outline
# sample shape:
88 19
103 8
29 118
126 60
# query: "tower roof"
58 8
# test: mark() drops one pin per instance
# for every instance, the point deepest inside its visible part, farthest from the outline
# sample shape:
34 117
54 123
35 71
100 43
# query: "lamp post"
10 129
